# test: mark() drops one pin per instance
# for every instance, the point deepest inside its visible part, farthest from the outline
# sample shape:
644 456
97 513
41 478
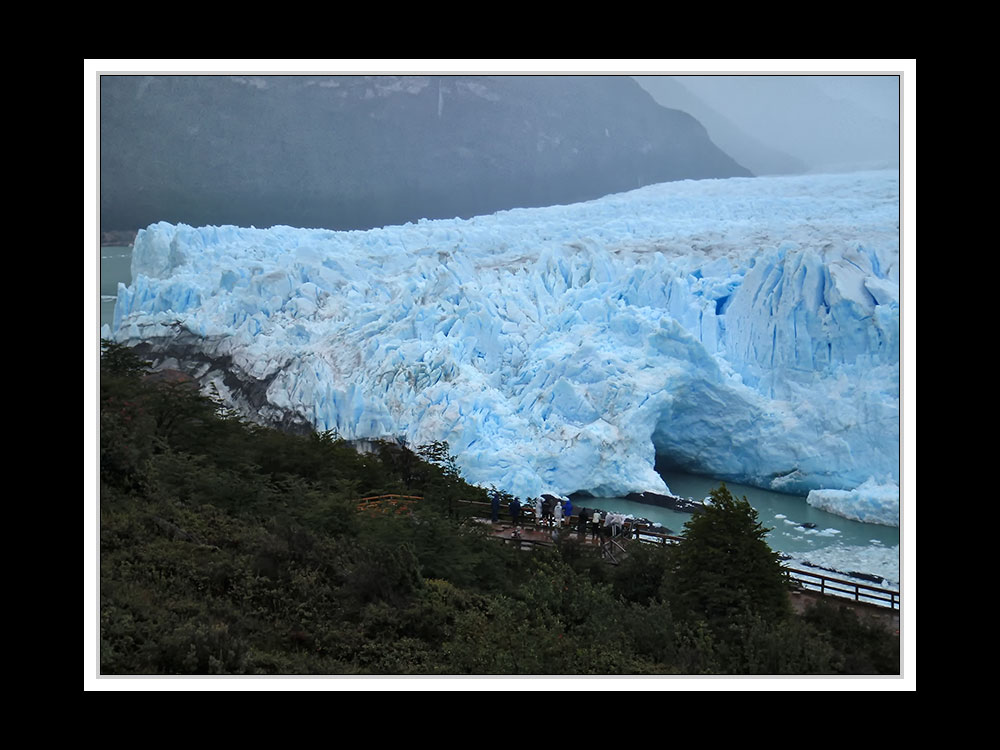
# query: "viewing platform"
613 542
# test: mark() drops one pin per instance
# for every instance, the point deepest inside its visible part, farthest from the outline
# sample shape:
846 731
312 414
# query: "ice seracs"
743 328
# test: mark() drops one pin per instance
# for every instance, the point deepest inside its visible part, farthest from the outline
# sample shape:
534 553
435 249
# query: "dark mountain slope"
362 151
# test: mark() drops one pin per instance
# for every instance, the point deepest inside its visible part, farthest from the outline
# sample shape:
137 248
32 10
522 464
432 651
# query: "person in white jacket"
557 511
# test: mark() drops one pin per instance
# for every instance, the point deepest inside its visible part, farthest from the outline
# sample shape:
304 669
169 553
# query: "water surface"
806 534
116 266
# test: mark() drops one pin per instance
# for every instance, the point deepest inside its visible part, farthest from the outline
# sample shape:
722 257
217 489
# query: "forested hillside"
227 548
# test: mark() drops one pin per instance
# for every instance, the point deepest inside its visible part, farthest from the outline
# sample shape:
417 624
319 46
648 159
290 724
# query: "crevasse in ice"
742 328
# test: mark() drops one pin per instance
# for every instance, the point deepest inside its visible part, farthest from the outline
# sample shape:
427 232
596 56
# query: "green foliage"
119 360
227 548
856 647
640 577
438 453
724 569
126 444
441 480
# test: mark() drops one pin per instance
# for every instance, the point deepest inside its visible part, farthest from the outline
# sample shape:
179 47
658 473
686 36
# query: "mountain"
831 123
756 155
350 152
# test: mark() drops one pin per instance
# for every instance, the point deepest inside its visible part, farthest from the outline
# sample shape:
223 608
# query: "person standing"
515 512
557 513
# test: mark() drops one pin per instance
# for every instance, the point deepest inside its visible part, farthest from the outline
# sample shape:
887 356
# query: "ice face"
742 328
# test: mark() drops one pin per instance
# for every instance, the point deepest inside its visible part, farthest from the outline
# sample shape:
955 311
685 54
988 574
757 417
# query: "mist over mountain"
351 152
750 151
768 123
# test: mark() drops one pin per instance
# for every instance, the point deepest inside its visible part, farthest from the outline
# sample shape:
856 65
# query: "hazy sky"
779 124
829 122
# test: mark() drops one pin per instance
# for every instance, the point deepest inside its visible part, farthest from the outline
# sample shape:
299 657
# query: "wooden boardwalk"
613 547
531 533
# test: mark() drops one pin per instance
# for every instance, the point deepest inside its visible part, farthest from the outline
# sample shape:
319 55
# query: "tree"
445 484
439 454
724 572
118 359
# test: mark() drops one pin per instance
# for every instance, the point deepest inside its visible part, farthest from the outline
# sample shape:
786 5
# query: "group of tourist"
551 512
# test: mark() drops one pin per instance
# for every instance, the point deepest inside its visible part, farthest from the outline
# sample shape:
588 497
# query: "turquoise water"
116 265
783 514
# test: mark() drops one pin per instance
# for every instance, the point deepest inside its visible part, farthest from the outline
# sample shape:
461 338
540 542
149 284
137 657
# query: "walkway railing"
831 586
613 550
384 497
645 533
387 503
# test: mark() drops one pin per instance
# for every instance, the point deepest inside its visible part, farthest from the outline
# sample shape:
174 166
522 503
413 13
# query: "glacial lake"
116 265
795 525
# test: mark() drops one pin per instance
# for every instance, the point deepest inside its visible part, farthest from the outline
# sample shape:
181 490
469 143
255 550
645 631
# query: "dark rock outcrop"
666 501
178 355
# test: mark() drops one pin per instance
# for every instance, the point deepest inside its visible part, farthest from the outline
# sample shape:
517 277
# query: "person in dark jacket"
515 511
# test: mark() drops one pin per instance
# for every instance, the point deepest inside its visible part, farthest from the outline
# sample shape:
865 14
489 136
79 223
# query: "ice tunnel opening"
672 454
666 463
700 432
669 464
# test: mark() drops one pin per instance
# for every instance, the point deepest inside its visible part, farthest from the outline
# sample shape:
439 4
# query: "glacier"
744 328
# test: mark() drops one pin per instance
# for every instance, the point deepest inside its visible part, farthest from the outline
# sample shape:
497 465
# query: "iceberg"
745 328
870 502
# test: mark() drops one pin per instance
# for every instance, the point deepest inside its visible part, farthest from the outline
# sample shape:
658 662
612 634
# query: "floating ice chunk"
877 560
870 502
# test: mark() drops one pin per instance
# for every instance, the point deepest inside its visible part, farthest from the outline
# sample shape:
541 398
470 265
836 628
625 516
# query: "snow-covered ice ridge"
747 328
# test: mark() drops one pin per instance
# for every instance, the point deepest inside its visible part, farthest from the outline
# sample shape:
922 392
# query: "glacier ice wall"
743 328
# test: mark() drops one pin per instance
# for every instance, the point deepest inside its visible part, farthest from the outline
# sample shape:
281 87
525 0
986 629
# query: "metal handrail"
826 585
830 586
